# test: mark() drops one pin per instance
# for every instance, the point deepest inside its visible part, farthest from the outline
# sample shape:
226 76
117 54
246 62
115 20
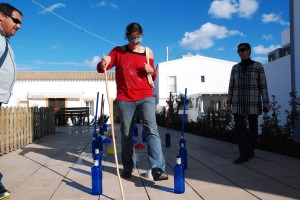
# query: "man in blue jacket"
10 23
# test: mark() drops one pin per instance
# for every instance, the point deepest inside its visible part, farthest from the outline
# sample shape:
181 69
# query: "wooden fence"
20 126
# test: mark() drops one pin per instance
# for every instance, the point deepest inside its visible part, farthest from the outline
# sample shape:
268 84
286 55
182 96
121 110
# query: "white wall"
295 14
278 73
188 72
285 37
89 90
295 59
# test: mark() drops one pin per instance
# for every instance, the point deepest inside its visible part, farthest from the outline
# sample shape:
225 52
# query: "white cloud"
273 18
106 4
247 8
52 8
267 37
204 37
226 8
92 63
260 49
56 46
222 9
189 54
263 60
220 49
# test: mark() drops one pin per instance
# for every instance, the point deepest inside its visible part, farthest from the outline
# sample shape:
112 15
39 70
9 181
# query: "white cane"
113 132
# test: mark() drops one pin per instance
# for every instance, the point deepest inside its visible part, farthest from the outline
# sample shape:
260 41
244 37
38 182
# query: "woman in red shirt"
135 96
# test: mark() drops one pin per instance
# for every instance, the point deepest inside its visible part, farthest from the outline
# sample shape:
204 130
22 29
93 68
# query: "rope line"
73 24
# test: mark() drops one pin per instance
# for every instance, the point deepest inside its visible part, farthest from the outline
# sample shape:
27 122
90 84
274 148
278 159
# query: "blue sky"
73 34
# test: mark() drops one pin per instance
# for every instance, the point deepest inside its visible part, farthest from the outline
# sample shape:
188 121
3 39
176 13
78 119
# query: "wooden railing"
20 126
78 116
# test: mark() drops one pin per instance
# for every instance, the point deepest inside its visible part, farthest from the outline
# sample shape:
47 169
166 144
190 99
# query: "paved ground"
58 167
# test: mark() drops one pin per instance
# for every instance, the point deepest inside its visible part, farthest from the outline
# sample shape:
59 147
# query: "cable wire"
73 24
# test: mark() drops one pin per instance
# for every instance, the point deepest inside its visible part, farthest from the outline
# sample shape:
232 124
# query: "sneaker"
159 175
126 174
241 159
251 155
3 192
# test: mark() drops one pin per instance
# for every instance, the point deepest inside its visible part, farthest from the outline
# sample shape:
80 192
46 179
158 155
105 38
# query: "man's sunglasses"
241 50
15 20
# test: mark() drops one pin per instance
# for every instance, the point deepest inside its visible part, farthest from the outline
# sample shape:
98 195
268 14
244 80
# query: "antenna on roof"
167 52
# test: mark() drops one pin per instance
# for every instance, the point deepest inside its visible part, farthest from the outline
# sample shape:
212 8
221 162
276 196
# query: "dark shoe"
4 193
251 155
159 175
241 159
126 174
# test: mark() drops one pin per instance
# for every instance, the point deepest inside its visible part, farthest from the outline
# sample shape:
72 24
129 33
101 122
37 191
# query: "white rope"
73 24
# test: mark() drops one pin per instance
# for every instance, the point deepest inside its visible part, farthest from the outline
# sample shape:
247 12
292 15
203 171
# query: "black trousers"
246 129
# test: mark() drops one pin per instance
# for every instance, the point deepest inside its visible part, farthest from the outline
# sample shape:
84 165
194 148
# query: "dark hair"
132 28
247 45
8 9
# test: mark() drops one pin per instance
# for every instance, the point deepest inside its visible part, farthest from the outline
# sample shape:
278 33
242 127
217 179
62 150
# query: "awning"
89 98
45 95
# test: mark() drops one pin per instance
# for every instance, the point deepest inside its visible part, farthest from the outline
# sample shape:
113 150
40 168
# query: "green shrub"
219 125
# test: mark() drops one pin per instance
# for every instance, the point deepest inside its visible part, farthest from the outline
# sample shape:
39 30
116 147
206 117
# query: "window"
24 103
172 84
202 79
198 102
90 104
215 105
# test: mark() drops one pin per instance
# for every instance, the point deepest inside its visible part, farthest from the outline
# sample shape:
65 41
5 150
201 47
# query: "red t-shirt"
131 77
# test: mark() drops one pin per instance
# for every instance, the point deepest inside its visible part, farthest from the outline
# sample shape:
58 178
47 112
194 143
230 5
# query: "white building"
62 89
283 68
206 80
278 73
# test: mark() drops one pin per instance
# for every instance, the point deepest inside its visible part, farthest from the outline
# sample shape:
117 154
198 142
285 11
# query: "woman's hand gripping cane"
105 62
150 71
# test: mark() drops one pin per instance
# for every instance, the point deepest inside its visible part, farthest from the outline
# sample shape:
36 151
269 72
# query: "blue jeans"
145 108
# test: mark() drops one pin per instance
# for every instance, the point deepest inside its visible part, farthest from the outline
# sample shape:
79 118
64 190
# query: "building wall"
188 72
295 59
278 73
295 16
87 89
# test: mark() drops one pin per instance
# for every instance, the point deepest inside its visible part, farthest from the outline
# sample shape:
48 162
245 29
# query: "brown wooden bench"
78 116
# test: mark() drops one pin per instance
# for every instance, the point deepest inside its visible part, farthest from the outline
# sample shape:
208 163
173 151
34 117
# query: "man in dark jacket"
247 98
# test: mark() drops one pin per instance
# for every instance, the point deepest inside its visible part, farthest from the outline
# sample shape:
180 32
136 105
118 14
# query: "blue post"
96 178
168 135
95 119
179 183
136 131
144 138
95 136
168 139
182 142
